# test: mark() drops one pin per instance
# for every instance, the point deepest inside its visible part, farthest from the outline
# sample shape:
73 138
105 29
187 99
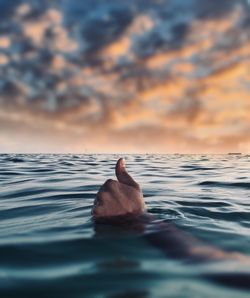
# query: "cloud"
4 42
100 28
3 59
141 76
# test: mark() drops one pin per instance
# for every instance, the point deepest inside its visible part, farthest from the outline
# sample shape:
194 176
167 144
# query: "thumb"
123 176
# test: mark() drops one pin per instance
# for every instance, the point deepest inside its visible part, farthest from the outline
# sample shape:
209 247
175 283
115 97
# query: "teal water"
50 247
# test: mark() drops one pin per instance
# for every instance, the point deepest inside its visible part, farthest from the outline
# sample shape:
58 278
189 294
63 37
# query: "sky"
135 76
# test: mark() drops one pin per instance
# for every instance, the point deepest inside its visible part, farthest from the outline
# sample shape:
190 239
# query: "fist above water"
123 197
119 197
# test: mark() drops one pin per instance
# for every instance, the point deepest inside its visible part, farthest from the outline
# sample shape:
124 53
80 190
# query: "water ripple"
245 185
50 247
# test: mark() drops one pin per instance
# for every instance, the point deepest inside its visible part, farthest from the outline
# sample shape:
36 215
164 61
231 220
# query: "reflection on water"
49 246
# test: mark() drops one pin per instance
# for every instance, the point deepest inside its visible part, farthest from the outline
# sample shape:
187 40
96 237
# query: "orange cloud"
194 98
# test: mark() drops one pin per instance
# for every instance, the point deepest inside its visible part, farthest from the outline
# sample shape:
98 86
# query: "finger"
108 185
123 176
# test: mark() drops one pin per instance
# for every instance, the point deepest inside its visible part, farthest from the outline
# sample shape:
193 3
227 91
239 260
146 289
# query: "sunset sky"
142 76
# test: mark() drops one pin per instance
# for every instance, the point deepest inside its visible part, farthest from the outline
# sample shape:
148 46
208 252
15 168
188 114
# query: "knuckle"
109 183
137 186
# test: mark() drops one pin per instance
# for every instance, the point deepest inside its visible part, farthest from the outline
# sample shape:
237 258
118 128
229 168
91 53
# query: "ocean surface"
50 247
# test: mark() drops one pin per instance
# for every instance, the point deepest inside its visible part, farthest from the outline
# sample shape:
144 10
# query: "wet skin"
119 198
121 203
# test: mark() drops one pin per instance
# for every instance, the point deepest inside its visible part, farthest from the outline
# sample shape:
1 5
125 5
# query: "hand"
122 197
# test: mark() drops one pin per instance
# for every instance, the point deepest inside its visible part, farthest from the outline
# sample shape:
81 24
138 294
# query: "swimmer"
121 201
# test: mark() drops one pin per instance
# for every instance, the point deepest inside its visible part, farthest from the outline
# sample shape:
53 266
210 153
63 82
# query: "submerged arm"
179 244
120 202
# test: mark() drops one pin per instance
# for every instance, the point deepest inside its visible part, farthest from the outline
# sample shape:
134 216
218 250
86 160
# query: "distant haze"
125 76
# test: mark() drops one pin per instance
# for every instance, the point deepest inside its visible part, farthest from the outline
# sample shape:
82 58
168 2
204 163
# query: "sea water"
50 246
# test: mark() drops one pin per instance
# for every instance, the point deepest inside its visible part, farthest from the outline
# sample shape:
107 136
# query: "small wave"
67 163
11 173
215 214
42 170
17 212
234 280
170 213
197 168
26 193
15 159
245 185
200 203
